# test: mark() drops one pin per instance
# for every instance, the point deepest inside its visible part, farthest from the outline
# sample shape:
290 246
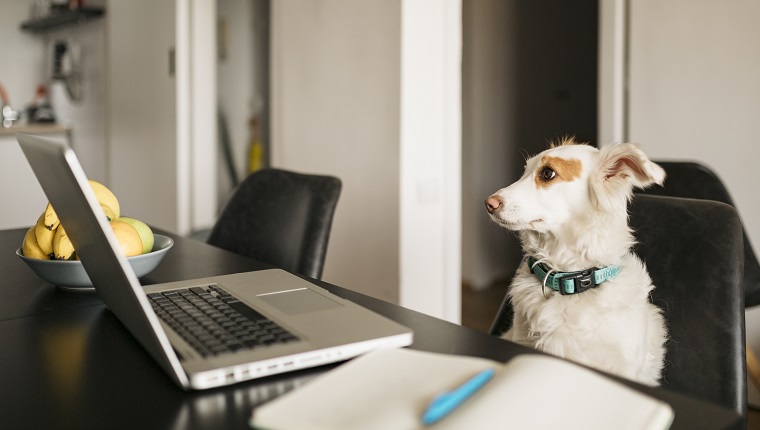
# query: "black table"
67 362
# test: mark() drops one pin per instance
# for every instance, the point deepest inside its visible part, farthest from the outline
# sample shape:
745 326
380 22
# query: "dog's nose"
493 203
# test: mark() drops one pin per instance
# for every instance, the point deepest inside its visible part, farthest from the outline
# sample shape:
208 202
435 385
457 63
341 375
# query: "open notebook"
391 389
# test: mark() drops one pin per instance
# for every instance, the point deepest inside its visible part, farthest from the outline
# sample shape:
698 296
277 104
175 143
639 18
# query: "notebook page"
541 392
385 389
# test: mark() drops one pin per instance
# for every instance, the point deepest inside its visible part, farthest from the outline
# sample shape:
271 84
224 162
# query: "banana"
30 247
106 197
51 218
43 235
63 249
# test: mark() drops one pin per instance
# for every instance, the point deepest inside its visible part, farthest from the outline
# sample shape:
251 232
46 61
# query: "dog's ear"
621 168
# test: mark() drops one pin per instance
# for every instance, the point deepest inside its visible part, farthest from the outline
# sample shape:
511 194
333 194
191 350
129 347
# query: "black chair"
694 254
693 251
281 218
694 180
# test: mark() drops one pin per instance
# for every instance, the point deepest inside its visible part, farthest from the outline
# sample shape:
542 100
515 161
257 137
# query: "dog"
580 293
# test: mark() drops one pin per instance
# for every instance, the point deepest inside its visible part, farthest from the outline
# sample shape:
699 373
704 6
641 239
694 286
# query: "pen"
444 403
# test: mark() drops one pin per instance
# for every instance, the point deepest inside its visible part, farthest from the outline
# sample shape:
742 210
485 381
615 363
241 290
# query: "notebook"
288 322
391 389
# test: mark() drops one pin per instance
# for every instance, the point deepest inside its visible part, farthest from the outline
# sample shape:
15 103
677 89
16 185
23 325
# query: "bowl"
70 274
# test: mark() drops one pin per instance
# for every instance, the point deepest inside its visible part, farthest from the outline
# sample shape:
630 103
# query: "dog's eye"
547 174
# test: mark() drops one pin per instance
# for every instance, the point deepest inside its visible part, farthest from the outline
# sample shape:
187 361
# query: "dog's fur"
570 209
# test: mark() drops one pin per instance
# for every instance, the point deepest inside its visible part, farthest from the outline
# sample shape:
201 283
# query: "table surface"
67 362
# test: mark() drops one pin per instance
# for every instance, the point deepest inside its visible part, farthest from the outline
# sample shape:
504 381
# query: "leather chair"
694 255
281 218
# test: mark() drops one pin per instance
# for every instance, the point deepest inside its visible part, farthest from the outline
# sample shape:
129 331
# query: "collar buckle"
582 281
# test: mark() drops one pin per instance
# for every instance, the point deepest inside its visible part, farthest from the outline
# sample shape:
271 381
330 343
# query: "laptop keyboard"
214 322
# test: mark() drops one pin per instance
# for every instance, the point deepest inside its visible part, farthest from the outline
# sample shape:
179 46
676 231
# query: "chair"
694 254
693 251
695 180
281 218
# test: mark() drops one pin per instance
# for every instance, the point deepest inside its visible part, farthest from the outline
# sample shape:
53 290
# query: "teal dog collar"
571 282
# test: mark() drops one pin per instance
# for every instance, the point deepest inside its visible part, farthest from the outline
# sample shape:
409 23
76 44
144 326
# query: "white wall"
694 89
337 97
23 65
335 100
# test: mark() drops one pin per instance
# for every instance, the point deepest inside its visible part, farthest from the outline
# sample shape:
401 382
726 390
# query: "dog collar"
571 282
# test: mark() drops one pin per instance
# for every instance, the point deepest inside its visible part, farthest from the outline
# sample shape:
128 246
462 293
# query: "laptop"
213 331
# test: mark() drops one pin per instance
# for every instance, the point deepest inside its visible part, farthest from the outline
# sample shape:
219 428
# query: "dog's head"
569 183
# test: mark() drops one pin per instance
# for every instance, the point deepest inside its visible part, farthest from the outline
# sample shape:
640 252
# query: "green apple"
146 234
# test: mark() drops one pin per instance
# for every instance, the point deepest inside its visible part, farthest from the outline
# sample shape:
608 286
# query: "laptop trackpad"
301 301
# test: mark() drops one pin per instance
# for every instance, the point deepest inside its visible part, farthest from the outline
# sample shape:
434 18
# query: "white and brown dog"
580 292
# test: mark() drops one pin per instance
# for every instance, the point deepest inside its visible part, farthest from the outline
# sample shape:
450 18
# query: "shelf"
35 129
63 18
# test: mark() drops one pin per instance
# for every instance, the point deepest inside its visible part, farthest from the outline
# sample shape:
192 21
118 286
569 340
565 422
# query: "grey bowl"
70 274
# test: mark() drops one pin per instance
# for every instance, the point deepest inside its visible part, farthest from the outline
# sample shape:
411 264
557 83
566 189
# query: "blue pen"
444 403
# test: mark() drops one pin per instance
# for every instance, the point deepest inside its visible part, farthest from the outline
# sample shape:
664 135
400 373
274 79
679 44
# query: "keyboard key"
214 322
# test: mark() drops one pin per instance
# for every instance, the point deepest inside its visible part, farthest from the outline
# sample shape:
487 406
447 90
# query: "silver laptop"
260 323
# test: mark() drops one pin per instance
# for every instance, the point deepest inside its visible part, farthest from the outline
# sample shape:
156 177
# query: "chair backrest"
694 254
697 181
281 218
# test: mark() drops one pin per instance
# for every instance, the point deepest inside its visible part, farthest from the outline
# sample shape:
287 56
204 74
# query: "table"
67 362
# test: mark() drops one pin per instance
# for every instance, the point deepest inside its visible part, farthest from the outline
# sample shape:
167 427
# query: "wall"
694 91
23 65
339 106
335 101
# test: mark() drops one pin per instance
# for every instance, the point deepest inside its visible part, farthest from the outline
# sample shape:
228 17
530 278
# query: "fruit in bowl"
70 274
49 252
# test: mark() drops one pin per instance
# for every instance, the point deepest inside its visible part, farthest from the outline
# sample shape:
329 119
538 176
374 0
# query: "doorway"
530 74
